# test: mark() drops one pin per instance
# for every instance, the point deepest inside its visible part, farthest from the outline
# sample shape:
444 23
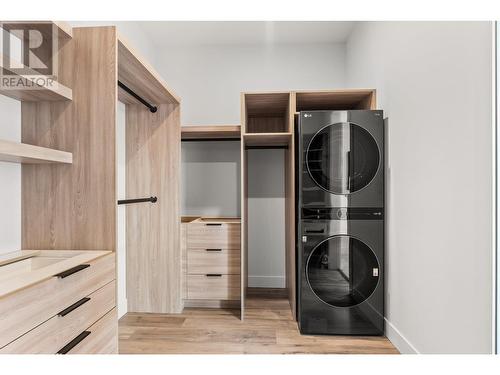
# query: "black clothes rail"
151 107
138 200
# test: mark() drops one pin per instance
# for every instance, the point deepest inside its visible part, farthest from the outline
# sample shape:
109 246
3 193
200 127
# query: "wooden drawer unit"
210 235
23 310
57 332
203 261
213 287
100 338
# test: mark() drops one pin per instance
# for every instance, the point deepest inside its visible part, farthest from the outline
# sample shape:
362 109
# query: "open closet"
58 294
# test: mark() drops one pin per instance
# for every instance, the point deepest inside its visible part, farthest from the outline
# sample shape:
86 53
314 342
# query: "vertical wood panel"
153 230
290 237
244 200
74 206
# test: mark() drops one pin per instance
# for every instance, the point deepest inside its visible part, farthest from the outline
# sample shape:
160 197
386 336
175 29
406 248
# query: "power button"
342 213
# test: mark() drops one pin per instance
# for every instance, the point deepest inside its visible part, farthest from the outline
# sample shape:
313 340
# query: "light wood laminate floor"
268 328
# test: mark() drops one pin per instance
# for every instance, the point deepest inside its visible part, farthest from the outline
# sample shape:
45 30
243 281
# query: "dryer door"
342 271
342 158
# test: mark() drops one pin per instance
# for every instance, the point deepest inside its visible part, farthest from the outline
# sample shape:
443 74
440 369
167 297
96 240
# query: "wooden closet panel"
74 206
244 210
290 236
153 231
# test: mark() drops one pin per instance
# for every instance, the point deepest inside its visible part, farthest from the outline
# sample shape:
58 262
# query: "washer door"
342 271
342 158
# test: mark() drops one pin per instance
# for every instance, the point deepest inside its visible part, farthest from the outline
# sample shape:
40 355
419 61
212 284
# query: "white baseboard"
398 339
266 281
122 307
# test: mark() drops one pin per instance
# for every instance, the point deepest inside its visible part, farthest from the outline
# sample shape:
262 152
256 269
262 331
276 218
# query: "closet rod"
266 147
138 200
152 108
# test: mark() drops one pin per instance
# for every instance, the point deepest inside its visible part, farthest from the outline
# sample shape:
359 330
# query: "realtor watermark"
29 59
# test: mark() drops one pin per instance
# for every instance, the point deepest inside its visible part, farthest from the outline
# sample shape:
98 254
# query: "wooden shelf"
335 100
58 92
211 132
16 152
267 139
140 77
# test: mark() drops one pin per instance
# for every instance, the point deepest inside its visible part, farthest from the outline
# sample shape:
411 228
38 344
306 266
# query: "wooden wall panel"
74 206
153 230
290 236
244 207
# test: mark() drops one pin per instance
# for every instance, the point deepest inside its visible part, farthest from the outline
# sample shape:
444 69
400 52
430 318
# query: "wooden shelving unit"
336 99
207 132
30 90
16 152
139 76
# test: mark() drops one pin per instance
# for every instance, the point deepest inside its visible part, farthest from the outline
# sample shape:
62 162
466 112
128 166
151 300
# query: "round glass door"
342 158
342 271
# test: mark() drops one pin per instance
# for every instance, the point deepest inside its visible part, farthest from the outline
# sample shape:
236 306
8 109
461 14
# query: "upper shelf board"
140 77
56 92
16 152
211 132
335 99
267 139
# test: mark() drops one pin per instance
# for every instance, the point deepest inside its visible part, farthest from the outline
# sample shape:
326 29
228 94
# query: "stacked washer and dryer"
340 223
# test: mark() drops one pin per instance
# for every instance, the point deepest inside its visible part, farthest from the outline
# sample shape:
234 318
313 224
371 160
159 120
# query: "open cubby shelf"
267 112
348 99
16 152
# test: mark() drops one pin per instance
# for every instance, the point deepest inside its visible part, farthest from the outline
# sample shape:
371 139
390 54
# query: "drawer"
24 310
99 338
203 261
54 334
214 235
221 287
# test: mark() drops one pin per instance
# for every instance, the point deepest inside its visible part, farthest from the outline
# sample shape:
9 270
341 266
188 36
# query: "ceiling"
164 33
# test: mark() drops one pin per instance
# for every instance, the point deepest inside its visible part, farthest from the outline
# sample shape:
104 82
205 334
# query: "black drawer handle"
214 224
213 249
315 231
74 306
70 345
214 275
73 270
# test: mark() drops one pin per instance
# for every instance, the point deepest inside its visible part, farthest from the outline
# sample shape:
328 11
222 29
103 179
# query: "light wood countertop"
23 279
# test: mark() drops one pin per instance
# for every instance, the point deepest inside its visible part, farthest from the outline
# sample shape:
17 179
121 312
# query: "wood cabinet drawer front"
207 236
203 261
54 334
102 339
24 310
221 287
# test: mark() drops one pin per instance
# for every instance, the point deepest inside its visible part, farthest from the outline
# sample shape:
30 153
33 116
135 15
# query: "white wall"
210 175
209 78
10 179
266 219
433 80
